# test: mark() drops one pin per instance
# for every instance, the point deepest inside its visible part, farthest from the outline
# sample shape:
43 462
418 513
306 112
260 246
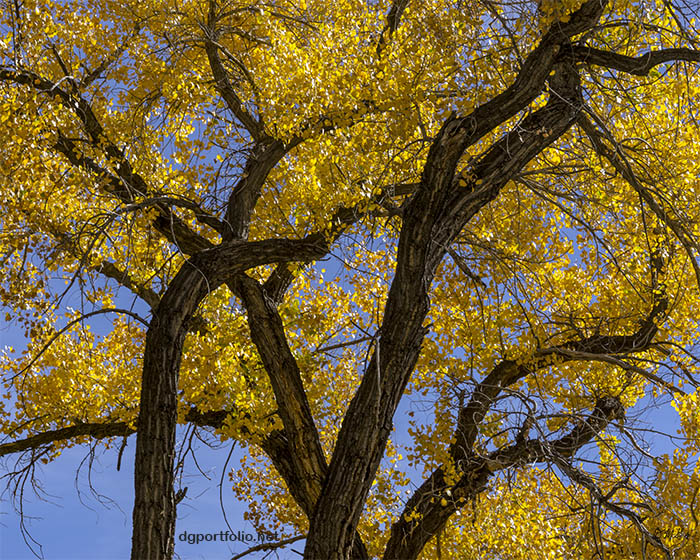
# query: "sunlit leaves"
565 252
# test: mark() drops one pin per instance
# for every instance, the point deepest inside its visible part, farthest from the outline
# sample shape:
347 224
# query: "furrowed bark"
267 333
154 508
296 450
154 504
276 447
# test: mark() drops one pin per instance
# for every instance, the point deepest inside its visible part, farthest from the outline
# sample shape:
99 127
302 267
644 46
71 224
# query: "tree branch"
222 82
96 430
430 507
101 430
508 372
126 184
406 539
617 159
245 194
433 217
123 279
268 546
640 65
267 333
458 133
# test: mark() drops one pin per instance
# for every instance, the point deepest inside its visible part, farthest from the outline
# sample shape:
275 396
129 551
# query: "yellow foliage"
563 253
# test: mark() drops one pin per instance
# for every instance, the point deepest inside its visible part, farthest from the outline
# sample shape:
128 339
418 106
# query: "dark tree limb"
437 500
111 270
267 151
124 182
267 333
154 505
245 194
296 450
223 84
408 537
97 430
640 65
508 372
433 217
459 133
101 430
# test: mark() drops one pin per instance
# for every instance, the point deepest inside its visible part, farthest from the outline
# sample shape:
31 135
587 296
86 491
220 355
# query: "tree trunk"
154 503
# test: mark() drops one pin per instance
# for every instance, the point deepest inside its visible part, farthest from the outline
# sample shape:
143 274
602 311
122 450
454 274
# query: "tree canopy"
282 221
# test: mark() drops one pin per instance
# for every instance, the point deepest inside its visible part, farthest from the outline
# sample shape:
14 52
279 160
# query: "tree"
506 194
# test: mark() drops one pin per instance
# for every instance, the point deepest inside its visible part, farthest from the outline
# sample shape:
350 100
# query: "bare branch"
640 65
100 430
95 430
268 546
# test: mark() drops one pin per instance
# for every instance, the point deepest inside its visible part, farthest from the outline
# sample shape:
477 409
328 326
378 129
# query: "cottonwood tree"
504 195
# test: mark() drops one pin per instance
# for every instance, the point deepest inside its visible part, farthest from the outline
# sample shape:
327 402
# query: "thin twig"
269 546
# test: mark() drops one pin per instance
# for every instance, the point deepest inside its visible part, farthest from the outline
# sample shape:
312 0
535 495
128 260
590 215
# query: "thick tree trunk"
154 508
154 505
